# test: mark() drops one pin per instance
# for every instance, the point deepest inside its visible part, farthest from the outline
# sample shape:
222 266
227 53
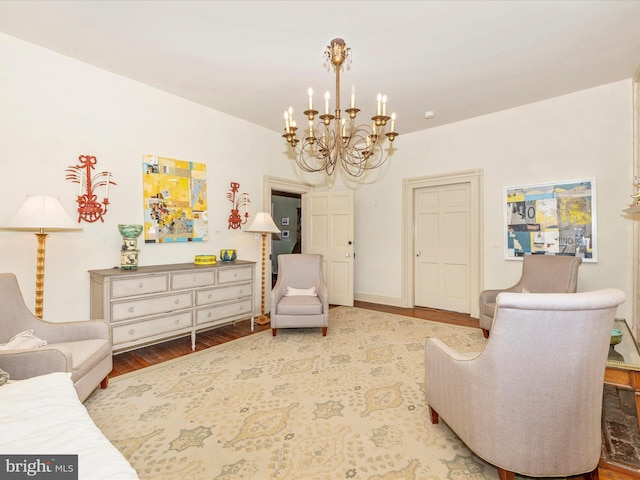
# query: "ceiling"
253 59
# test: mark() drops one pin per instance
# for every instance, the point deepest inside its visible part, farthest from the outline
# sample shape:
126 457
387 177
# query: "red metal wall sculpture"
238 201
89 208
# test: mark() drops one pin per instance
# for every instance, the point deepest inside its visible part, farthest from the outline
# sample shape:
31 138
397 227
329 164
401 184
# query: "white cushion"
307 292
23 340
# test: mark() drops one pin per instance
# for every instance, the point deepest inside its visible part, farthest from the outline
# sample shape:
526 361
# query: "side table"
623 364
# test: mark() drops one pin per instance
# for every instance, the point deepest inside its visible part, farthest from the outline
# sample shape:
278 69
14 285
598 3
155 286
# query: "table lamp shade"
43 214
262 223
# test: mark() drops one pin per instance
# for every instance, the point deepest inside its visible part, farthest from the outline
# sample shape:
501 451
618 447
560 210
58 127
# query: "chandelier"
322 146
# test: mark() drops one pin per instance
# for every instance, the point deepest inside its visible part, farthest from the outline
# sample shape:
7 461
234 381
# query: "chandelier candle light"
357 147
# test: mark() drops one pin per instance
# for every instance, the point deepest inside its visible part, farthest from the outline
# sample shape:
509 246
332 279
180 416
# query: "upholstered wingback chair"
300 297
540 274
82 349
531 401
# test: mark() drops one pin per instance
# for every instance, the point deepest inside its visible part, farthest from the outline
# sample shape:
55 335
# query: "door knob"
419 253
347 255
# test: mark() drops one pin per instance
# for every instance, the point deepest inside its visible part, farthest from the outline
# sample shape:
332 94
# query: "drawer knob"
177 301
242 290
209 296
177 321
131 331
140 285
209 314
131 309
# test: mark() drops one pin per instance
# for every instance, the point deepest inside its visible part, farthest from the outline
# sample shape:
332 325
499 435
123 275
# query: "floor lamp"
264 224
41 215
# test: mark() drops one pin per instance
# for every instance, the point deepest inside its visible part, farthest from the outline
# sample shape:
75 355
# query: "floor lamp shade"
263 224
41 215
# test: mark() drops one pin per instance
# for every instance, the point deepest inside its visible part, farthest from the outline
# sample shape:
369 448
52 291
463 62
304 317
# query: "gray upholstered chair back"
300 270
540 274
15 317
531 401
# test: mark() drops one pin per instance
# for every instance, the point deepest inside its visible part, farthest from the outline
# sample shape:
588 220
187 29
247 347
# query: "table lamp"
264 224
41 214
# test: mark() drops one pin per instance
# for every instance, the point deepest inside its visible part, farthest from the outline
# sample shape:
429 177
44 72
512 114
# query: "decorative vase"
129 251
228 255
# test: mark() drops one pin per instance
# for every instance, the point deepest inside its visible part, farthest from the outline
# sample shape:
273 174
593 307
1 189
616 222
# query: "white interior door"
442 247
327 228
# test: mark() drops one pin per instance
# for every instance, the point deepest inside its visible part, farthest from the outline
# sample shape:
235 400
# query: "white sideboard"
159 302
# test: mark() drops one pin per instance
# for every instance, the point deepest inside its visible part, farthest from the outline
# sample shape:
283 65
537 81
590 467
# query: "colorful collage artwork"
551 219
175 200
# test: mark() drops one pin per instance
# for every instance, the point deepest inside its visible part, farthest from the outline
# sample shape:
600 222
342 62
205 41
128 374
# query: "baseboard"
379 299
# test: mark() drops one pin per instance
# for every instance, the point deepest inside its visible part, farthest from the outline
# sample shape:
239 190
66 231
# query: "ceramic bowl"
228 255
130 231
616 337
205 260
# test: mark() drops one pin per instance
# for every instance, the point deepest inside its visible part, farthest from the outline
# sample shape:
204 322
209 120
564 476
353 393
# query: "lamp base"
262 320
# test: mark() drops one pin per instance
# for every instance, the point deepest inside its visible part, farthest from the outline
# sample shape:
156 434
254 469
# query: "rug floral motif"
350 405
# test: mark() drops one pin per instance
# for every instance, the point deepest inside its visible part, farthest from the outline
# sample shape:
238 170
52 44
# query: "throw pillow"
309 292
23 340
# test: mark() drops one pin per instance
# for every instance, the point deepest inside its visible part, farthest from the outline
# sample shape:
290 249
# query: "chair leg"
435 418
324 331
273 331
593 475
485 333
505 474
105 382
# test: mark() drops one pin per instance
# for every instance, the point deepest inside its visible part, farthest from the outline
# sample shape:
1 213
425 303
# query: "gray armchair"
304 309
81 348
531 401
540 274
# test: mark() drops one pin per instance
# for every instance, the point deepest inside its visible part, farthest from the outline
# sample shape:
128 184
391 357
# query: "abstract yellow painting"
175 200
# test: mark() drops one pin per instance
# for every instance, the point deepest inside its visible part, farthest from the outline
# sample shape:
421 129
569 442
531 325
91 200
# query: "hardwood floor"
143 357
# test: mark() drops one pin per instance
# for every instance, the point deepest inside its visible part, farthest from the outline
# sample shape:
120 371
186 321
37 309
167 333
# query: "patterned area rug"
298 406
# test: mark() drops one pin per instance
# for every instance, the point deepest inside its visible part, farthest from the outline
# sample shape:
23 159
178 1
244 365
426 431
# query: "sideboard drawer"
192 279
212 295
150 328
150 306
229 275
129 287
220 312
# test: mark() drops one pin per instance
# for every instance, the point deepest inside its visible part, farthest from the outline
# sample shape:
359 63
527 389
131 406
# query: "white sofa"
43 416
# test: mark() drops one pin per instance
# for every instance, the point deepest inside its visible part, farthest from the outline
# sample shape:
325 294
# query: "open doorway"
286 210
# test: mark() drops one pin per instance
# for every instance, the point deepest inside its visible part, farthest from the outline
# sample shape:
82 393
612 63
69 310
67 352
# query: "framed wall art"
551 219
175 200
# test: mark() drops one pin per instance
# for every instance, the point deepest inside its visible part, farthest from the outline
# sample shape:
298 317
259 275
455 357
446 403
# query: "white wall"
53 109
581 135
